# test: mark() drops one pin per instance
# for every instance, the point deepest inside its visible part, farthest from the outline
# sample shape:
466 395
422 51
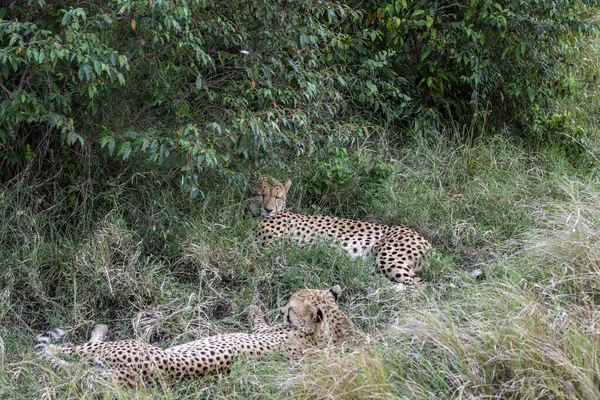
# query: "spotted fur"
312 318
396 250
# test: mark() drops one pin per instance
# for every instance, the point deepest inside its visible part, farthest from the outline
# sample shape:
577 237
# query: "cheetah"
312 318
396 250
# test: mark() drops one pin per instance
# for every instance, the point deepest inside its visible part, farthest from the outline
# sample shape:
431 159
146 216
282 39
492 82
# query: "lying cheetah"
397 250
311 318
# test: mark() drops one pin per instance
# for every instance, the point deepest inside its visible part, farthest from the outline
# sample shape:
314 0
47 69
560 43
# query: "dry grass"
356 372
534 338
111 254
567 245
510 345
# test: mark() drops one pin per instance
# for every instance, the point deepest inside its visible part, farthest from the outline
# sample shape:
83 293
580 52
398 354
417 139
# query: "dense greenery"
474 122
456 59
217 86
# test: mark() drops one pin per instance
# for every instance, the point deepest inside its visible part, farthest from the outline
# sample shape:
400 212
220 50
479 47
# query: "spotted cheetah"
311 318
396 250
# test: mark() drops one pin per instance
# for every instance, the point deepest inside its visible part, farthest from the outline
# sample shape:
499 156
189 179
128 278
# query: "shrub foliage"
457 58
221 85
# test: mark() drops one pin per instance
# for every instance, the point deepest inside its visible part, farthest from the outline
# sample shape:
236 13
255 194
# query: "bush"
238 87
436 59
205 85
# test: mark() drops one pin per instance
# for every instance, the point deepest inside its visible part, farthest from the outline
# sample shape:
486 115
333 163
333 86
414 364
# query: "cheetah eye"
278 198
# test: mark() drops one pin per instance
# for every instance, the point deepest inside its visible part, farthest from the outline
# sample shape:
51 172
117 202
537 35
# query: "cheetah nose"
269 210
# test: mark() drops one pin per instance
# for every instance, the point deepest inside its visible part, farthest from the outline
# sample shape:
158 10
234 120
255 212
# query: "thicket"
238 86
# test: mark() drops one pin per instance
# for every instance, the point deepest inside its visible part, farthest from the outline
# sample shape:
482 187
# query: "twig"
8 93
22 82
448 6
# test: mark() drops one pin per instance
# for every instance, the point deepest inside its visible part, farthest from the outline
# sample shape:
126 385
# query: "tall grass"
529 329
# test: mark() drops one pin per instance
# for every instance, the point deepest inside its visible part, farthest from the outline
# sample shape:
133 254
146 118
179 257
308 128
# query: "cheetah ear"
335 291
286 185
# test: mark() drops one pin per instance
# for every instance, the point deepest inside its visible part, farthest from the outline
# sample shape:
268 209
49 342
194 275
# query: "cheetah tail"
43 340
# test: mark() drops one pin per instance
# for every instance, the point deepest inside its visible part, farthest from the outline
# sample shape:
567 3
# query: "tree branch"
8 93
22 82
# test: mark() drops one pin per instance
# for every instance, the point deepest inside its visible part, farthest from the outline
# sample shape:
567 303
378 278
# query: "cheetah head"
269 197
317 312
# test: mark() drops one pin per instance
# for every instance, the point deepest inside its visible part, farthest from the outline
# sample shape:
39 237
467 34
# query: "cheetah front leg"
257 317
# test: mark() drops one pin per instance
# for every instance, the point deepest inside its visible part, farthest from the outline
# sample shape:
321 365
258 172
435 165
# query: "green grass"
525 331
153 264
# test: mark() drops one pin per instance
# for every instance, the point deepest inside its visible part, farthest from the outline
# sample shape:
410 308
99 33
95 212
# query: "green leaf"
111 146
416 13
303 40
126 152
98 68
87 69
